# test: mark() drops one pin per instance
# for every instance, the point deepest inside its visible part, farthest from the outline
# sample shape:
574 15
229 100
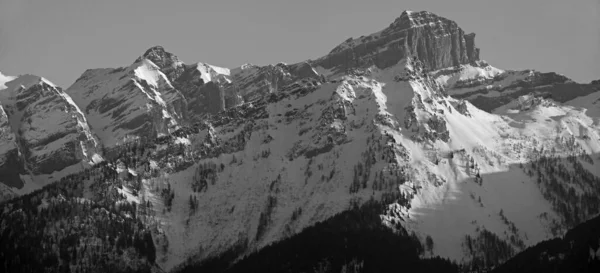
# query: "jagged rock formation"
240 158
202 93
168 63
138 100
251 82
42 131
488 87
436 41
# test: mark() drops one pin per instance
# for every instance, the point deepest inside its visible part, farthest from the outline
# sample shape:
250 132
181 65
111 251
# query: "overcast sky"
59 39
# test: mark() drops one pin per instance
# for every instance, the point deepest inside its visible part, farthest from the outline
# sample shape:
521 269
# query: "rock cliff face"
168 63
251 82
202 86
10 162
138 100
389 117
436 41
488 87
158 92
189 91
41 131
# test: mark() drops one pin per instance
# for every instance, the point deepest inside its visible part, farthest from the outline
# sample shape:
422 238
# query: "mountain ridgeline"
401 150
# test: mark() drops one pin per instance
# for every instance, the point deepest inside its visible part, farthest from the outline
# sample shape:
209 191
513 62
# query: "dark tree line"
487 250
575 252
352 240
571 188
64 234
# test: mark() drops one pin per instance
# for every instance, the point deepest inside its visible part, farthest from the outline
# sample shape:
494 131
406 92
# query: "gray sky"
59 39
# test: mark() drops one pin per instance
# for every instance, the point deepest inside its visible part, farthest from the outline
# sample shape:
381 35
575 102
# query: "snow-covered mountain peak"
131 101
255 154
151 73
160 56
393 131
171 66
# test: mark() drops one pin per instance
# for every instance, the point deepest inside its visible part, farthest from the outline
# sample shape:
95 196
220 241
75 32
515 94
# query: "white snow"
468 72
4 79
210 73
182 140
322 71
446 211
114 88
451 78
446 203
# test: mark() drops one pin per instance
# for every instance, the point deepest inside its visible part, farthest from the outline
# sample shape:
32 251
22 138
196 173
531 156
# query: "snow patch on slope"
210 73
4 79
467 72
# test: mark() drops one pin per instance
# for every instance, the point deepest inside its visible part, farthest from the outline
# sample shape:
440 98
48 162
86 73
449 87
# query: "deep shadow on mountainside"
577 251
99 236
112 216
356 241
352 241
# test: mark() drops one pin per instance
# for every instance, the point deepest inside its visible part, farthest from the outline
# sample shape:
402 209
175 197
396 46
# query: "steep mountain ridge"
43 133
489 88
216 159
138 100
436 41
429 156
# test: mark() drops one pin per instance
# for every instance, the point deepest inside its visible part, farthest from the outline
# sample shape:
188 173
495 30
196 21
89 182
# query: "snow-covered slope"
488 87
138 100
211 73
446 168
368 120
456 149
43 134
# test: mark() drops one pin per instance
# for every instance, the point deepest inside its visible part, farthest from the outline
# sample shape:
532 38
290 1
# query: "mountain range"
190 163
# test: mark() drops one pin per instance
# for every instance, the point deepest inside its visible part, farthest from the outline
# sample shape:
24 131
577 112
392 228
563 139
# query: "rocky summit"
399 149
436 41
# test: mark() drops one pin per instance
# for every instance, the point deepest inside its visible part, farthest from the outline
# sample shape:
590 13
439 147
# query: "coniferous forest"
352 241
82 223
577 251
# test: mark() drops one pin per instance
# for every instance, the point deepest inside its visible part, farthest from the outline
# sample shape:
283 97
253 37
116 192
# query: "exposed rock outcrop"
489 88
166 61
41 130
203 96
138 100
436 41
253 82
10 163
